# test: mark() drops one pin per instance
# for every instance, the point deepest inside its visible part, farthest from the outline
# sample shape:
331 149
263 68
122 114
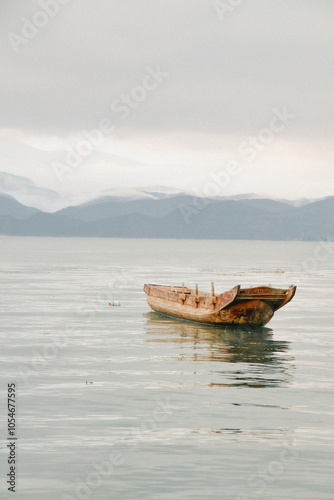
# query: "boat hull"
254 306
184 312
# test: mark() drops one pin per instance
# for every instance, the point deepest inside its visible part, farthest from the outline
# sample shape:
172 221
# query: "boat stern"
252 312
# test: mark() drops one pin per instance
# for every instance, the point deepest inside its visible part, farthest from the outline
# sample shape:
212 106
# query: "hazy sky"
115 93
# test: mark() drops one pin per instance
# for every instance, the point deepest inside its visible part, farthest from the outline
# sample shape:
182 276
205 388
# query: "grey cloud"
224 75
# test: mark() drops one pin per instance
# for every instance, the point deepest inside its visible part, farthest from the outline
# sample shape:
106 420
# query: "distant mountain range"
157 212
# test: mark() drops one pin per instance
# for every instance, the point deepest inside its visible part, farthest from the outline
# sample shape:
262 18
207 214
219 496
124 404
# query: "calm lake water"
122 403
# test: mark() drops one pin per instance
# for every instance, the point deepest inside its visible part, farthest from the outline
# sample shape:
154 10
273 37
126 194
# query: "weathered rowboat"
239 306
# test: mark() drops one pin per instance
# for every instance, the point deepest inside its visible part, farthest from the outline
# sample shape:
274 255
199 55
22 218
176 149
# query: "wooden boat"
239 306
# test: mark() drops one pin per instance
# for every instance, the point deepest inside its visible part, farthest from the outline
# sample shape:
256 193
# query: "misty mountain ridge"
47 200
27 193
174 215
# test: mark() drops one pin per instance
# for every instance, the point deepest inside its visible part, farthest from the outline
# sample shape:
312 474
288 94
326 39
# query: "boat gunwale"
268 293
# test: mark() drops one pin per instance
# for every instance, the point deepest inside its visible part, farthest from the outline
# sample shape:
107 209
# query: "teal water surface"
118 402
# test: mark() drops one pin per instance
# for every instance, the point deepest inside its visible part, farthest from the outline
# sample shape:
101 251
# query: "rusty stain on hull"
238 306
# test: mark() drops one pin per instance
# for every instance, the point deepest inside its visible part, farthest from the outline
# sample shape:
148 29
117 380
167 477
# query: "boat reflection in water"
255 358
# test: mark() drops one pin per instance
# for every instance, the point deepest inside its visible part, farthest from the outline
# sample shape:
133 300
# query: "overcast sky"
174 91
